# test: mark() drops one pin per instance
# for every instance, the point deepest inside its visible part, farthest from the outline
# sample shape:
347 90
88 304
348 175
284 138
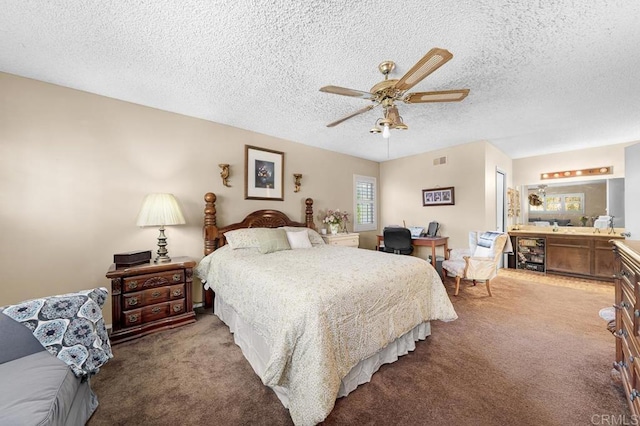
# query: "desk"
432 242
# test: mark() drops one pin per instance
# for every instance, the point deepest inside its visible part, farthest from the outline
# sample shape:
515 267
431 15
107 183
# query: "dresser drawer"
153 312
152 296
141 282
627 310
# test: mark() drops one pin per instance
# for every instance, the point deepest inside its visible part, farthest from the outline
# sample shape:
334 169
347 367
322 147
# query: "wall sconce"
296 180
224 174
576 173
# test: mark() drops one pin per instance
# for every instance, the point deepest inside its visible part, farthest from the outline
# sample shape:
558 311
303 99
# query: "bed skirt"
256 351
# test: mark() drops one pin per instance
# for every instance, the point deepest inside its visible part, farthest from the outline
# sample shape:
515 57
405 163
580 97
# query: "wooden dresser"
351 239
150 297
627 304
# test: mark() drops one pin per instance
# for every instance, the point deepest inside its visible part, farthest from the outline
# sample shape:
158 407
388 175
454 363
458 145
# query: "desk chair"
480 261
397 241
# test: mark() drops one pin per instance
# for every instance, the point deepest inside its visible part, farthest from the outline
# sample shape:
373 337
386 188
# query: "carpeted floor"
536 353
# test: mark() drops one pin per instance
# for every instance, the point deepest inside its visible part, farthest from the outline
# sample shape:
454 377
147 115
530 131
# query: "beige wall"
75 167
470 169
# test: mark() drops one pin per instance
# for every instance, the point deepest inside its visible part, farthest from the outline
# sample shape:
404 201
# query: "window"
364 203
560 203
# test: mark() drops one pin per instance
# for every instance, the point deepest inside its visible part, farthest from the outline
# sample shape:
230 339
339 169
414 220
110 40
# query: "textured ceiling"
545 76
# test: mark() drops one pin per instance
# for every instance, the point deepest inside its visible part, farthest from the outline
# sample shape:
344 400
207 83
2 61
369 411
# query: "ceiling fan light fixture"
375 130
386 132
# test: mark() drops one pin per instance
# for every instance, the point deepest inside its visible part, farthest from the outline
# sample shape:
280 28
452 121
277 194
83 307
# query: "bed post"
209 230
210 235
308 213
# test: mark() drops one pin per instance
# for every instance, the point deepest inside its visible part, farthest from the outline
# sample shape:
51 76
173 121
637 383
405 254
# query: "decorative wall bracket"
297 177
224 174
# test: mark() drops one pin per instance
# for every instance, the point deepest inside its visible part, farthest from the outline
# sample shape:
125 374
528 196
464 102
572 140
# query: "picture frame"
264 174
438 196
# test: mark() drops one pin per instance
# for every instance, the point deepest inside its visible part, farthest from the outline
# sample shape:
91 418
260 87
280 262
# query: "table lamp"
160 210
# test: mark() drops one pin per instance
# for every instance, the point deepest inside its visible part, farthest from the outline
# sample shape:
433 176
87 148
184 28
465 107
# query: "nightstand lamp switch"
160 210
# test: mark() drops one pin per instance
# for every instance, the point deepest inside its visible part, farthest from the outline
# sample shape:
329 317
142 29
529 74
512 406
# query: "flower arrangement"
336 218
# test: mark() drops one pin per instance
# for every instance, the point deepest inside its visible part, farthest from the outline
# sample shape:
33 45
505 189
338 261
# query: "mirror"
575 203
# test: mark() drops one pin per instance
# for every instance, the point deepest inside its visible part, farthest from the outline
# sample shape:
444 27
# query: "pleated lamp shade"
160 210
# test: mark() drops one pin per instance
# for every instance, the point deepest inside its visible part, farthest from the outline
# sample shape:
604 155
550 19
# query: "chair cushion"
37 389
454 267
16 340
486 244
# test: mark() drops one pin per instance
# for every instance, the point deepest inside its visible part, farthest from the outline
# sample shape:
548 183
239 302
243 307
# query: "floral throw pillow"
69 326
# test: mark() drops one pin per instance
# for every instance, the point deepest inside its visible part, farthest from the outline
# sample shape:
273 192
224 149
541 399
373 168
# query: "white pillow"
243 238
314 237
298 239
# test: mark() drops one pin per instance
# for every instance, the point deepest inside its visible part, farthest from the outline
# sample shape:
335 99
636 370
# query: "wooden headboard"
214 236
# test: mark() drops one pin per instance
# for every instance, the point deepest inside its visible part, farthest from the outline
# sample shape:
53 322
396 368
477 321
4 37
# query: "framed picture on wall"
438 197
264 174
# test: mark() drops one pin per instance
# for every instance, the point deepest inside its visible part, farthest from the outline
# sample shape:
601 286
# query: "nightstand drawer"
142 282
151 296
153 312
347 240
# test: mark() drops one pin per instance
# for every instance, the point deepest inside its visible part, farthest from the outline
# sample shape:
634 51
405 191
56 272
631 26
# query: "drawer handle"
177 293
156 294
633 394
177 308
631 358
156 310
636 313
622 305
621 333
177 277
132 301
133 318
133 284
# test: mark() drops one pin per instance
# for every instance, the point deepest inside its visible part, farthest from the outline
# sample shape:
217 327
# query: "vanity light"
573 173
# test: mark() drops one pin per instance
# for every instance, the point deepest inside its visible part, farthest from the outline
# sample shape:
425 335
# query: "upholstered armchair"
480 261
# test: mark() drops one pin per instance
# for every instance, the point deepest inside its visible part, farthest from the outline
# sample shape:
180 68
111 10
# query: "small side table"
150 297
345 239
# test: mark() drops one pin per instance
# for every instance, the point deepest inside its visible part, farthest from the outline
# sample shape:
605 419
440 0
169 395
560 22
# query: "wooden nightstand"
349 240
150 297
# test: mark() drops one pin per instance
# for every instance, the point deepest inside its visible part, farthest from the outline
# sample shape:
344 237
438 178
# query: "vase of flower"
336 220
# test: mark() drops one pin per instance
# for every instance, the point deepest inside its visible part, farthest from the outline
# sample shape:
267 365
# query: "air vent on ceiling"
440 160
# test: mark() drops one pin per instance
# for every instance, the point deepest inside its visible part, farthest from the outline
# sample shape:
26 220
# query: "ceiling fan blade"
433 60
360 111
347 92
440 96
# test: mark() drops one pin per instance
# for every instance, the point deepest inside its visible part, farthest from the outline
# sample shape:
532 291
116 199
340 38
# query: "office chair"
397 240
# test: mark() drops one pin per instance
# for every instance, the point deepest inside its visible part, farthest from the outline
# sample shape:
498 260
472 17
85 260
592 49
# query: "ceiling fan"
388 91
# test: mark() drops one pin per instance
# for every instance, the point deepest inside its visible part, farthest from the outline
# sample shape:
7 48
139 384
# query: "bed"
314 320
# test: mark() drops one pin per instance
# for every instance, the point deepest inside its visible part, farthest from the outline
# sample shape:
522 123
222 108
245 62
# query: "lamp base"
162 248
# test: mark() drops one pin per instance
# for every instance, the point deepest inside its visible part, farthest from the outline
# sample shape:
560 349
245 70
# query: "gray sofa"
49 349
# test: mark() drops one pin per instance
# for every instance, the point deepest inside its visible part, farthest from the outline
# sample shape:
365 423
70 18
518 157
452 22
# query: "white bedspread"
322 310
